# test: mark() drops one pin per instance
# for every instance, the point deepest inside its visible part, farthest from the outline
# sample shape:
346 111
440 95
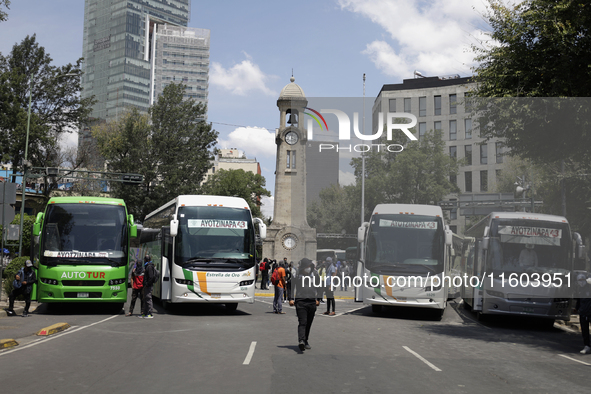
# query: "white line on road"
250 353
421 358
70 331
574 359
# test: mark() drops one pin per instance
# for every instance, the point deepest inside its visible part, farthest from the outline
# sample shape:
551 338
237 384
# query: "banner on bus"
397 224
70 254
531 235
217 223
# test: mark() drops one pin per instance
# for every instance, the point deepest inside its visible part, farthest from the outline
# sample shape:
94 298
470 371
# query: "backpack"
275 277
262 266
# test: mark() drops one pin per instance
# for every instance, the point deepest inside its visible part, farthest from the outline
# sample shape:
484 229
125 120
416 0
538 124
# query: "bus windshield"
75 234
210 236
522 245
405 244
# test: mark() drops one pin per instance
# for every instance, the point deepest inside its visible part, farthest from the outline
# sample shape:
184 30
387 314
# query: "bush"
11 270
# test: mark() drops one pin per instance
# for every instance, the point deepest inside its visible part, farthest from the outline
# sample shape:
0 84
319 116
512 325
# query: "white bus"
524 265
204 248
406 252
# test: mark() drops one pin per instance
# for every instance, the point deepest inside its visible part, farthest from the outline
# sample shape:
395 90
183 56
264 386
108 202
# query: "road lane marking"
43 340
421 358
250 353
574 359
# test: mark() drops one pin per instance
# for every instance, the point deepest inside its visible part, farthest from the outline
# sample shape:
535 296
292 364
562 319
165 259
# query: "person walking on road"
137 286
584 307
330 272
279 287
150 277
265 274
304 295
22 285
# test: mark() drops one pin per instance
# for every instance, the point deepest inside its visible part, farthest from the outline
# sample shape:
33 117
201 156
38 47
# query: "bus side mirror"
484 244
262 228
580 248
133 231
361 232
37 224
174 227
448 237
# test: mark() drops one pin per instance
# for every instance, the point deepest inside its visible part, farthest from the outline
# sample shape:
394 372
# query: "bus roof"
204 200
86 200
415 209
527 215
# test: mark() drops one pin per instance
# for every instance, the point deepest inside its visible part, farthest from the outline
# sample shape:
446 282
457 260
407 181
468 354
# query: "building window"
293 159
288 158
453 215
437 105
453 152
407 105
422 129
453 130
484 154
437 127
468 181
468 128
498 176
499 148
453 179
453 109
392 105
422 106
484 181
468 154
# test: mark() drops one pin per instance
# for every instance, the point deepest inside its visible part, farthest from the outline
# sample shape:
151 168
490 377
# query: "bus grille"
94 294
96 283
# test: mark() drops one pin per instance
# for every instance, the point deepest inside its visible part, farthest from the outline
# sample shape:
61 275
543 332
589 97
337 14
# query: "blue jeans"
278 299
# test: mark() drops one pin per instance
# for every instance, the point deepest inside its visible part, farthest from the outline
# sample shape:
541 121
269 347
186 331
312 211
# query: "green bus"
80 247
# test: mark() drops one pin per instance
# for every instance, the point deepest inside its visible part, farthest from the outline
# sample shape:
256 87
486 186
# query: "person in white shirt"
528 256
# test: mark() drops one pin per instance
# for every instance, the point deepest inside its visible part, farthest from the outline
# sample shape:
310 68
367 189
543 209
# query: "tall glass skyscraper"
116 49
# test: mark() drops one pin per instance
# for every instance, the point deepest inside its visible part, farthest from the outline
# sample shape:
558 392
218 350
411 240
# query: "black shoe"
306 345
302 346
26 314
10 312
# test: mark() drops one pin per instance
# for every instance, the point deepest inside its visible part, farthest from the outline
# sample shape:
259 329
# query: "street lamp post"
27 164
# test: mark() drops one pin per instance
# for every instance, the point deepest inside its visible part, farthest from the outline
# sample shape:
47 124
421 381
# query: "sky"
256 45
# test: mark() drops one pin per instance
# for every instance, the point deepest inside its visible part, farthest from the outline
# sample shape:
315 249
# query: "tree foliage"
4 14
171 147
56 106
238 183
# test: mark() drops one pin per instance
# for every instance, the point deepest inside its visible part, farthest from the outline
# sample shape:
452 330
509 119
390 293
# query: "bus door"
479 259
166 266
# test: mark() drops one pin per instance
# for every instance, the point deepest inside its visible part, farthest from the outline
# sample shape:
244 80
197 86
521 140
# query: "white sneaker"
586 350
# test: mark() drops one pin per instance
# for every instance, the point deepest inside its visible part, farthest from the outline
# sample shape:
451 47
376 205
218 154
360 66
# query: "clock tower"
289 235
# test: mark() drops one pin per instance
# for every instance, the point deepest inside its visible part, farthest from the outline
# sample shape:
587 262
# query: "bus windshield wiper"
73 261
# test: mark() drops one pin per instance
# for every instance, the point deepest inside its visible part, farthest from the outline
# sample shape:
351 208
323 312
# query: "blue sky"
255 44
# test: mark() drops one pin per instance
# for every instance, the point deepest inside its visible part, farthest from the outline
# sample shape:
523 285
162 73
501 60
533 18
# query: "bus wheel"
117 308
466 305
376 308
231 307
165 305
481 317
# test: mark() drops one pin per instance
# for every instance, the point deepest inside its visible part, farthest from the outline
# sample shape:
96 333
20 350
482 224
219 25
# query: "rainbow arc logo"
316 118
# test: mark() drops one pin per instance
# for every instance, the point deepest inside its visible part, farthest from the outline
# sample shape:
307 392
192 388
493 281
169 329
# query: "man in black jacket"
584 308
150 277
23 285
305 288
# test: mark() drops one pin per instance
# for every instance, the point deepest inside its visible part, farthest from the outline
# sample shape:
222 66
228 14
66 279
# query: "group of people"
143 275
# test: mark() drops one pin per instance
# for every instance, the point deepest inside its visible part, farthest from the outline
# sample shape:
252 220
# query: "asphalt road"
201 348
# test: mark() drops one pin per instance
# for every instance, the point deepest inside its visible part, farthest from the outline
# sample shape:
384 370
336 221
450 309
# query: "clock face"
291 138
289 241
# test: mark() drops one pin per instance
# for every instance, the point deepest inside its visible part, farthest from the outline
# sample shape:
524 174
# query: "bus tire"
117 307
231 307
466 305
481 317
376 308
165 304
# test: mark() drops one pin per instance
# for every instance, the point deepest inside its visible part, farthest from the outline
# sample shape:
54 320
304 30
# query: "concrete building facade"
233 159
438 103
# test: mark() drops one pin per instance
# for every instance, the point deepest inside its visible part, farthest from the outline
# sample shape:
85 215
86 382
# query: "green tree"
28 221
56 106
238 183
3 14
171 147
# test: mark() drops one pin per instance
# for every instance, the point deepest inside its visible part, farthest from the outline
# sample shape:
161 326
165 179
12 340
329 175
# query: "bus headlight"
246 283
114 282
48 281
184 281
495 293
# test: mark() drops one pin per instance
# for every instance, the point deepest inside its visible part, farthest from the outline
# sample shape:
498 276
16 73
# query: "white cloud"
267 206
69 140
433 37
346 178
241 78
254 141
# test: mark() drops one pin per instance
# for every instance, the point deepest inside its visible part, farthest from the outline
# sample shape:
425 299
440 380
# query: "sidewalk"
338 294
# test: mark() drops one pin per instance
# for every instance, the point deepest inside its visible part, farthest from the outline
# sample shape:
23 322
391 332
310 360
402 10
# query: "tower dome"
292 90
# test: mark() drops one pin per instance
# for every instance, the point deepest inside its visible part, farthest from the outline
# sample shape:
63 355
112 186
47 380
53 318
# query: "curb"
272 295
53 329
6 343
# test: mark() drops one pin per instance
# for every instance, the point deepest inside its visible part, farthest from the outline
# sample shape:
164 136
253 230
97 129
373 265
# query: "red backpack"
275 277
262 266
